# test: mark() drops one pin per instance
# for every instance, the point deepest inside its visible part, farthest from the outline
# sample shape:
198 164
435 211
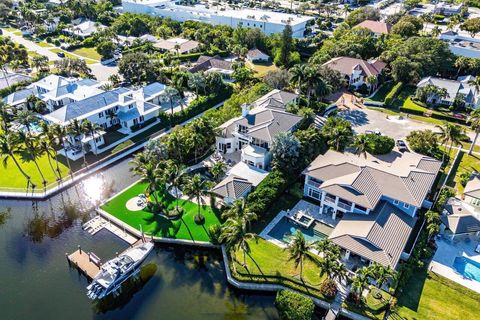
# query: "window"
142 118
395 202
314 193
100 115
406 205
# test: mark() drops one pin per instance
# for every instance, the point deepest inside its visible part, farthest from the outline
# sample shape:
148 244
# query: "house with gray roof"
376 199
213 64
253 132
459 219
460 87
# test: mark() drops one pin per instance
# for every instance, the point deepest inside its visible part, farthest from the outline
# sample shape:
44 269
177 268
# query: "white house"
84 29
357 70
255 55
377 200
251 135
177 45
268 21
461 86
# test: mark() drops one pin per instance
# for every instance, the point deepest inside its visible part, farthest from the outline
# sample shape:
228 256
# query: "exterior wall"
224 141
472 200
411 210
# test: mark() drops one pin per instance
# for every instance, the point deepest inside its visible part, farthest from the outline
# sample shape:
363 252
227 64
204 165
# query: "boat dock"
86 262
98 223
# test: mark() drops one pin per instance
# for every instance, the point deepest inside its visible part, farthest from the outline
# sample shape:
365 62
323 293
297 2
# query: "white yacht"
115 271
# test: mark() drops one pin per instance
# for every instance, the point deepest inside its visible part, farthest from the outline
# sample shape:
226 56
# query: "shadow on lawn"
412 291
161 226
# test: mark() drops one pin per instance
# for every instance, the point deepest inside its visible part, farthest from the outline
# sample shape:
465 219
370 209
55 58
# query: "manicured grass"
69 55
12 178
429 296
401 98
371 307
261 69
411 105
382 92
268 263
468 163
89 53
156 225
385 110
10 29
44 44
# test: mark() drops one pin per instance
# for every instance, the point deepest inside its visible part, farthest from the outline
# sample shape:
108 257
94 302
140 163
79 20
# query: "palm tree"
26 118
360 143
9 148
49 144
218 170
75 128
239 210
149 173
298 73
381 274
328 248
5 116
177 48
235 235
175 176
298 250
197 188
360 282
196 81
32 149
170 94
91 129
371 81
450 134
331 267
60 134
474 120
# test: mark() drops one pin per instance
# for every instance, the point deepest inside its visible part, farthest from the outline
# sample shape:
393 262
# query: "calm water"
36 282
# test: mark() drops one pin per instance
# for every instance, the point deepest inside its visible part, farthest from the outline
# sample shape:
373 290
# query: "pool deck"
442 263
302 205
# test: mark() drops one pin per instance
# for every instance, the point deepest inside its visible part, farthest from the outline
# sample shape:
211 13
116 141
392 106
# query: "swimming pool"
286 228
468 268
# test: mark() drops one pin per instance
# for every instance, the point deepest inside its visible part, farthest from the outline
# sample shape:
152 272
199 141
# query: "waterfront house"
251 135
460 87
377 200
356 70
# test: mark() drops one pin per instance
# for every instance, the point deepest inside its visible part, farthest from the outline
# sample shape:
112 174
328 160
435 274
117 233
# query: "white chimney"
245 110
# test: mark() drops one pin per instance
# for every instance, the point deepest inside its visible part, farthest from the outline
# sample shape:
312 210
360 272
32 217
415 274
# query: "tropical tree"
297 75
360 282
433 222
60 134
474 120
40 63
77 131
197 188
91 129
9 149
298 250
149 173
218 170
450 134
235 235
26 118
285 151
175 177
30 150
239 210
337 132
360 143
5 116
196 81
371 81
170 95
381 274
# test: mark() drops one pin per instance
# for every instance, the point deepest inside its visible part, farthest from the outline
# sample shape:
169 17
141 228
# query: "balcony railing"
314 183
344 205
330 199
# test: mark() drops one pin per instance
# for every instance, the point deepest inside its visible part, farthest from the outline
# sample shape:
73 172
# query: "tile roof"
375 26
460 218
169 44
380 236
205 63
346 65
20 96
407 177
472 188
232 187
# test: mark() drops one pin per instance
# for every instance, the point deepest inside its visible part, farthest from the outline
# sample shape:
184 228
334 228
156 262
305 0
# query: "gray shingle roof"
380 236
153 89
407 178
232 187
459 218
472 188
20 96
205 63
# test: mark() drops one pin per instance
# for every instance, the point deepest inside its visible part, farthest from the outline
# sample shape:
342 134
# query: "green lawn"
11 177
429 296
382 92
261 69
89 53
69 55
268 263
156 225
371 307
44 44
468 163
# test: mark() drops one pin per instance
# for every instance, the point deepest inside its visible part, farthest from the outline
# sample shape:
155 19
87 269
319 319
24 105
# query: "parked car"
401 145
61 54
376 131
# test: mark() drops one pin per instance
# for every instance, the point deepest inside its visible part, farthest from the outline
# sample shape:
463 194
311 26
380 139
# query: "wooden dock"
86 262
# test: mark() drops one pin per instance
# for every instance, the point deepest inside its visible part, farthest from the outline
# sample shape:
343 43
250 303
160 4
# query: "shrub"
445 194
379 144
424 142
464 177
328 288
294 306
214 232
393 93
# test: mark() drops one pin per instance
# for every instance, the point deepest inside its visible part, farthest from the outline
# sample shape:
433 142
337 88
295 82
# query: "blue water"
286 228
468 268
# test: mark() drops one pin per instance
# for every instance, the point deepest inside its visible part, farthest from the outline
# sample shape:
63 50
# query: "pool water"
286 228
468 268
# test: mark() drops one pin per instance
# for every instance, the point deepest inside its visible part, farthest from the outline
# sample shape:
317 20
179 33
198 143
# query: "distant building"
454 88
376 27
177 45
9 79
357 70
255 55
268 21
447 9
461 45
84 29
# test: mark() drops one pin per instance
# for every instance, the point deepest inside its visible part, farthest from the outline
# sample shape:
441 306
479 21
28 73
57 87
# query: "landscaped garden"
374 306
157 225
463 168
429 296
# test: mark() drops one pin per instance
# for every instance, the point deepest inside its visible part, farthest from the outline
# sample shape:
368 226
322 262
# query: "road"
366 119
101 72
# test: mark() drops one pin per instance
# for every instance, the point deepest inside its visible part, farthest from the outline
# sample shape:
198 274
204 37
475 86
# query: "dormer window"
406 205
242 129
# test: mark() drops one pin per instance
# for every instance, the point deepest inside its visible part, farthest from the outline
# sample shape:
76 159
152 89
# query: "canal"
36 282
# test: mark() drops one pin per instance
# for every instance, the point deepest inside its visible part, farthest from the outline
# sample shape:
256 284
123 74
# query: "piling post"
66 256
116 253
79 249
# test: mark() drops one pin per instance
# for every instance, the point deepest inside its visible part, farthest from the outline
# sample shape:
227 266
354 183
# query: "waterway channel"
37 283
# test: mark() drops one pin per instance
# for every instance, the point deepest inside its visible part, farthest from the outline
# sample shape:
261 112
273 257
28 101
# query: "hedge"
435 114
294 306
393 93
